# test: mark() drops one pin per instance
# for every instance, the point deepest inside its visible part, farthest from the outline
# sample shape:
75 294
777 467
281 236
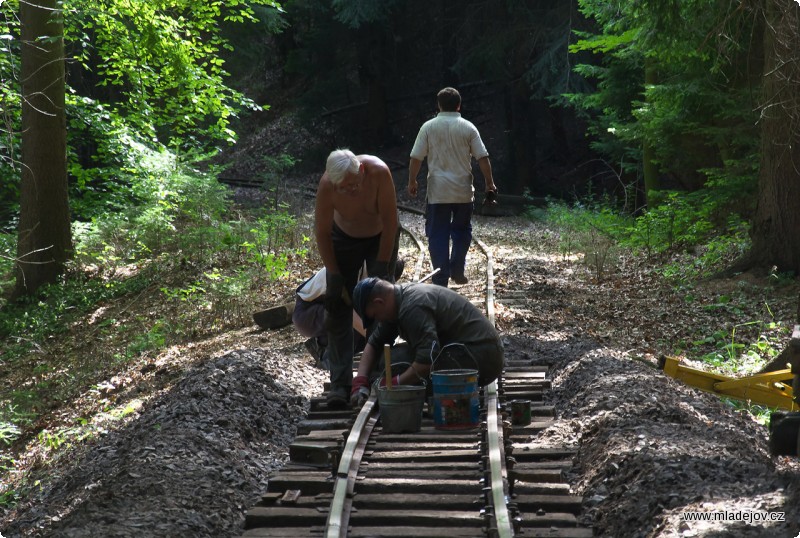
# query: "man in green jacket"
442 328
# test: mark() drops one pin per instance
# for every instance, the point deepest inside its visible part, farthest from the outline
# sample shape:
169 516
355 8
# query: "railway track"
348 477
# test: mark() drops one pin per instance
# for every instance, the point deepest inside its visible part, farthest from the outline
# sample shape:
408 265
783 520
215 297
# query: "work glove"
334 286
395 380
360 391
490 198
380 270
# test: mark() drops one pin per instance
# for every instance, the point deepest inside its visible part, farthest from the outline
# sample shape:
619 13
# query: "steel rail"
503 527
339 515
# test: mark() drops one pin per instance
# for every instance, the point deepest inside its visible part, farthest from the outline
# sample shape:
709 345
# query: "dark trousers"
444 222
351 253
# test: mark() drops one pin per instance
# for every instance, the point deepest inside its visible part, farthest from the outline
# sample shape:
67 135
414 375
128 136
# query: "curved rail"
339 515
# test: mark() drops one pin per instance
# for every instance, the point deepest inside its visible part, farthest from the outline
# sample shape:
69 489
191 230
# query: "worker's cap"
361 297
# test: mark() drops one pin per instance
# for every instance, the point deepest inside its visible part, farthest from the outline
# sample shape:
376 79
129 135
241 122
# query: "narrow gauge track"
346 477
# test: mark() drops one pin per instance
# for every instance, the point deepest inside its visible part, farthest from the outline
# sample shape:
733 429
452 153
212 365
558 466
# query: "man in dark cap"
442 328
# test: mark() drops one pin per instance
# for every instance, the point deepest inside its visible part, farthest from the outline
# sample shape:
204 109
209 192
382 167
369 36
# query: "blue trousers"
444 222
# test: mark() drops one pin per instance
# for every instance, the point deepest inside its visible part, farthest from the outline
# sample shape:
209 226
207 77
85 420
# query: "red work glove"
360 391
395 380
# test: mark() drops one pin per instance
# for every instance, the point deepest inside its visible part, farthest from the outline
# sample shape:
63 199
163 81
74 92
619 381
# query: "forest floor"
200 426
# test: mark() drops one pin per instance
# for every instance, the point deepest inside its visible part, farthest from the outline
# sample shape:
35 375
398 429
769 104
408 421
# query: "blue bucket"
455 399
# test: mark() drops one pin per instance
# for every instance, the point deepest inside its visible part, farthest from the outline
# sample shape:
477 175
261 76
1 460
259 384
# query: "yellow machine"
773 389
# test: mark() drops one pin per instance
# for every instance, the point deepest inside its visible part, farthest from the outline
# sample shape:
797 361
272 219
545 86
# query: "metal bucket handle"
439 354
377 381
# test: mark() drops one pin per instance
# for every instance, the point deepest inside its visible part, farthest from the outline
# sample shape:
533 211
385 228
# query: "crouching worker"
442 329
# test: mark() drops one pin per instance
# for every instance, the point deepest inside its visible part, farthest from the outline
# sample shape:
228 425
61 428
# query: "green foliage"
163 59
10 112
28 324
731 353
8 432
592 230
144 76
153 338
696 111
759 413
179 222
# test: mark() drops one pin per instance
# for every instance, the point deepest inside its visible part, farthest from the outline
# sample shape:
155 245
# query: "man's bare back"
355 200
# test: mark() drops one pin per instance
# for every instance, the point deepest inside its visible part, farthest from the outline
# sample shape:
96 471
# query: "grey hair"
339 163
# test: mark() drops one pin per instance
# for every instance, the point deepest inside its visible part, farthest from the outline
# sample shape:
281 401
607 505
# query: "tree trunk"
776 225
44 242
371 51
649 168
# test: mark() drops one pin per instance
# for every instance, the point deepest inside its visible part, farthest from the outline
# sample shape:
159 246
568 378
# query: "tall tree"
776 225
45 239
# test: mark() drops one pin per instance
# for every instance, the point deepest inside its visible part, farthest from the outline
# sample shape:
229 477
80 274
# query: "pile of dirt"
191 461
652 449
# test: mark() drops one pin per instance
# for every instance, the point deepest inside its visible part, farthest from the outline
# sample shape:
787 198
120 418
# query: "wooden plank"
467 486
544 464
285 532
514 370
274 317
524 394
388 500
442 474
425 444
312 453
578 532
418 486
542 488
322 435
399 466
550 503
414 532
303 501
277 516
530 374
308 483
538 410
443 518
531 451
551 476
548 519
522 433
307 426
430 435
423 456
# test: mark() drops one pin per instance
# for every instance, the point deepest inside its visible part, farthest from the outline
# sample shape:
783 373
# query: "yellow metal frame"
773 389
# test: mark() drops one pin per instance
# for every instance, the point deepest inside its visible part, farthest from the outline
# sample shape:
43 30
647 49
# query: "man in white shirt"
449 142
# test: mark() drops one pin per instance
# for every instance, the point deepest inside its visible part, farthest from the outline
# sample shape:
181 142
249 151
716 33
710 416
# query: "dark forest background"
675 121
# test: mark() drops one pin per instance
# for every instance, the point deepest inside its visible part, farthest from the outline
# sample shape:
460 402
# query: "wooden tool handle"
387 366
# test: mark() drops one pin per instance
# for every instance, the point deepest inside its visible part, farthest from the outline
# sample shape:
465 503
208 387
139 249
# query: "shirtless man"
355 222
